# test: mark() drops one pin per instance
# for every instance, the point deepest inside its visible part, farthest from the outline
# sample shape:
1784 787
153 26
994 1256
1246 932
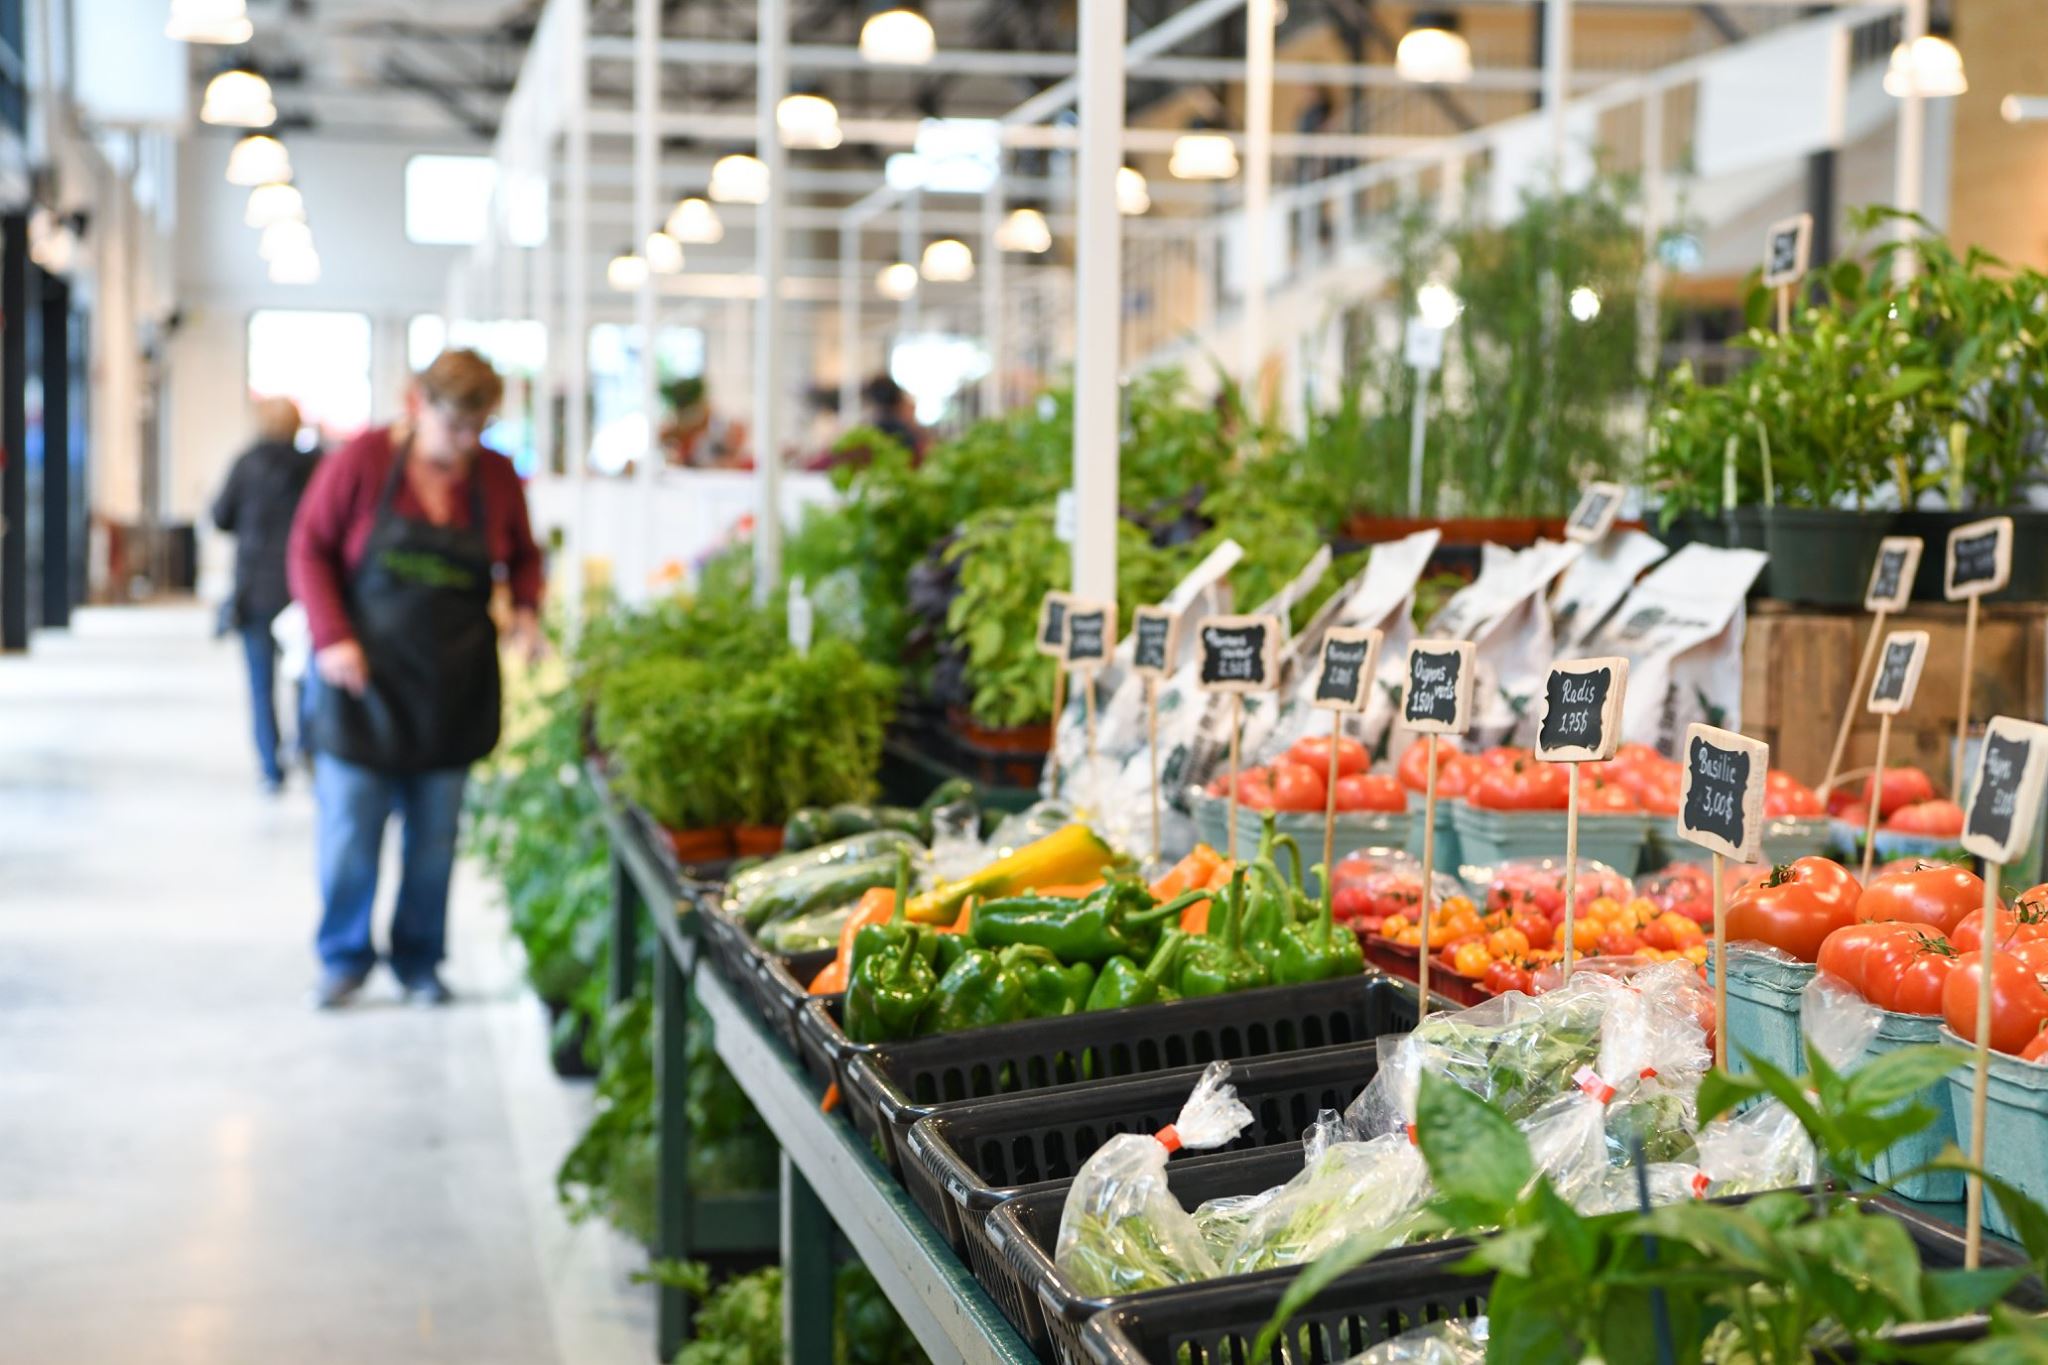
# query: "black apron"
420 607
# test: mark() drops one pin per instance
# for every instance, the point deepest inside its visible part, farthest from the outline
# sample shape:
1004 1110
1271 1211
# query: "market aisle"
196 1167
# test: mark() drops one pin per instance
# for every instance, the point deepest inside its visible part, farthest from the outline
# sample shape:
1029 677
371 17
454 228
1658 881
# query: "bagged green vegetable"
1122 1231
819 879
1344 1189
808 933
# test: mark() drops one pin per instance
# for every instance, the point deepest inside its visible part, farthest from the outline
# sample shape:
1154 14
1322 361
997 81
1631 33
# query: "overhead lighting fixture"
626 272
273 203
209 21
1433 52
693 222
1025 230
807 120
2023 108
1438 305
285 237
897 36
1133 195
301 267
664 254
259 159
1202 156
740 178
238 98
1584 303
947 261
896 282
1929 66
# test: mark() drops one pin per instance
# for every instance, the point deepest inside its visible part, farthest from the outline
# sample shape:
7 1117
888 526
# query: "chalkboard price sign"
1721 793
2005 804
1438 695
1898 672
1979 558
1152 642
1786 248
1594 517
1239 653
1891 577
1091 633
1349 655
1052 624
1582 710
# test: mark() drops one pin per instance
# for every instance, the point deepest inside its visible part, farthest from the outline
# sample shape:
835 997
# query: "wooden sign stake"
1059 708
1571 872
1239 654
1979 562
1236 729
1428 872
1152 630
1580 723
1721 809
1980 1086
1437 701
1884 739
1152 743
1898 677
1720 963
1827 784
1330 803
1349 656
1088 691
1955 764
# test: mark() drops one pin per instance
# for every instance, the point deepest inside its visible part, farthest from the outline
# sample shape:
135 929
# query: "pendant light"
259 159
896 282
1930 66
1024 231
273 203
1433 52
947 261
664 254
897 35
626 272
808 121
1202 156
694 222
740 178
1438 305
238 98
285 237
209 21
299 267
1133 195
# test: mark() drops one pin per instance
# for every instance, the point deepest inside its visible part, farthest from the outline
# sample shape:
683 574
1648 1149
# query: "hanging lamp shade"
259 159
947 261
897 36
298 267
1930 66
209 21
238 98
1202 156
664 254
1133 195
807 120
1026 231
693 222
626 272
273 203
896 282
1433 51
285 237
740 178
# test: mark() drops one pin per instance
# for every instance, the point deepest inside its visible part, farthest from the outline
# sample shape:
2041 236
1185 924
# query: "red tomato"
1907 972
1456 774
1785 796
1536 927
1526 785
1504 756
2019 1003
1606 798
1845 951
1900 787
1255 789
1296 786
1371 791
1349 901
1789 916
1937 819
1413 769
1503 977
1855 813
1314 752
1937 895
2008 928
1620 943
2036 1051
1826 878
1659 790
1841 800
1638 754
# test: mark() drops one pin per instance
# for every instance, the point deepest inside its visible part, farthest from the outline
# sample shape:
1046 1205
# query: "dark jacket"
256 507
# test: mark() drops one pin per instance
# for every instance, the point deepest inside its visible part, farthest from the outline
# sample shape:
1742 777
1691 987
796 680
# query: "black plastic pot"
567 1045
1692 528
2029 550
1821 556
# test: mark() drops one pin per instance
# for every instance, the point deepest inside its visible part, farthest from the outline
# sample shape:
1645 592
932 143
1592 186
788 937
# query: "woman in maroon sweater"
394 553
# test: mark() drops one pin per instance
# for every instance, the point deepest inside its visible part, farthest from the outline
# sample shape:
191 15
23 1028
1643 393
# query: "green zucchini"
818 889
743 891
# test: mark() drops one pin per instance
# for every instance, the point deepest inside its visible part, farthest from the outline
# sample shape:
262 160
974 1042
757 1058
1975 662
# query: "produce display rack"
830 1176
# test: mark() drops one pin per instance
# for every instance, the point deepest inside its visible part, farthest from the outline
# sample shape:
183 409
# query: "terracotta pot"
1513 532
1020 739
757 841
702 845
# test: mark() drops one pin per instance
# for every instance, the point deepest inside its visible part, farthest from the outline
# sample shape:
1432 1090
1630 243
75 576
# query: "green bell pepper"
1216 964
1050 989
1117 920
894 932
1320 950
974 993
1123 984
888 994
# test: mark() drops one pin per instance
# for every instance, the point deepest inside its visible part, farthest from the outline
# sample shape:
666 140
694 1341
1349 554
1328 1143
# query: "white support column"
633 579
1098 252
992 206
1651 285
849 325
771 251
910 248
1258 182
576 286
1909 169
541 262
1557 83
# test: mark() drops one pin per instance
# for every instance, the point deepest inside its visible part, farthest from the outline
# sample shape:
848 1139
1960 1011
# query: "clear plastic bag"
1568 1142
1760 1149
1538 884
1439 1343
1346 1189
1685 887
1840 1024
1122 1231
957 847
1374 884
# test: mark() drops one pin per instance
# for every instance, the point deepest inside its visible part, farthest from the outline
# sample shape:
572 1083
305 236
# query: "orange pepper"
1195 918
874 907
1191 871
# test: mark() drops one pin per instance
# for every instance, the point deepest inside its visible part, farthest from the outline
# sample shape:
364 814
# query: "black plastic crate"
819 1039
964 1160
1215 1323
780 986
890 1086
730 949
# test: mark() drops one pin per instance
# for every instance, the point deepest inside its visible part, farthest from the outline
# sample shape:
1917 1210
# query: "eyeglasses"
462 421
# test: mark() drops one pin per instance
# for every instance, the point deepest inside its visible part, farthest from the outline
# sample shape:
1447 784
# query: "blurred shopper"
891 412
394 555
255 507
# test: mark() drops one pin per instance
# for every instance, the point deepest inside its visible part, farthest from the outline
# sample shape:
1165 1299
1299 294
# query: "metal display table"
829 1175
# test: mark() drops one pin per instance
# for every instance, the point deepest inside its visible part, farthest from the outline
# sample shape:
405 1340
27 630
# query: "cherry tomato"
2019 1003
1934 894
1899 788
1525 785
1907 972
1471 959
1844 952
1297 786
1314 752
1789 916
1371 791
1672 932
1936 819
1536 929
1503 977
1510 942
1618 943
1255 789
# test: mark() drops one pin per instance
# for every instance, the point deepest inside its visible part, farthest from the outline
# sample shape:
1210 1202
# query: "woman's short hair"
462 380
277 419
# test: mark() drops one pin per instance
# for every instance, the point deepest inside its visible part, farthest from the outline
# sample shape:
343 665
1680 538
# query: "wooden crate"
1798 664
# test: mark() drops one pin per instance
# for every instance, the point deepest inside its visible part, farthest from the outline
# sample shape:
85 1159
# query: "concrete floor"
195 1166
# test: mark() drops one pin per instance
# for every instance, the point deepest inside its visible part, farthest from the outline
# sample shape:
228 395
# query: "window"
321 361
448 199
618 428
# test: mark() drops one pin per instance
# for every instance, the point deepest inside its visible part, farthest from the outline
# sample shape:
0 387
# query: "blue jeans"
354 804
261 652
